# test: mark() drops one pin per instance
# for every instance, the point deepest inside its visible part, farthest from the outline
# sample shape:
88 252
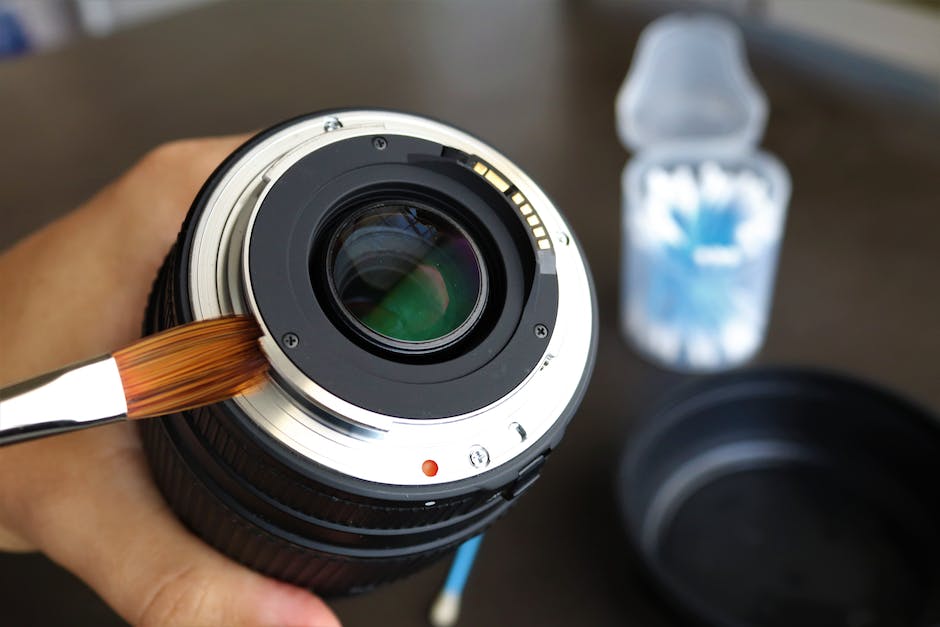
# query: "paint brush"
188 366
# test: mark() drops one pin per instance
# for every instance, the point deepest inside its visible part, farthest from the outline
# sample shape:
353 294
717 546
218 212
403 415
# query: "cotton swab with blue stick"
446 608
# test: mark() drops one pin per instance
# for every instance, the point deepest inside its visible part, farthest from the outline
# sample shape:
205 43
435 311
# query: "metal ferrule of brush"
82 395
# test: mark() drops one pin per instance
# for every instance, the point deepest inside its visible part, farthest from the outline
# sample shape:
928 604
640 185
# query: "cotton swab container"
703 210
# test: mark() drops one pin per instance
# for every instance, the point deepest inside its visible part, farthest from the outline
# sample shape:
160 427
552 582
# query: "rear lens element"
408 274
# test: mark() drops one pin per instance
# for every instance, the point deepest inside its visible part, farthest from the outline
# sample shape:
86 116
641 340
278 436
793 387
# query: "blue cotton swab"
446 608
703 244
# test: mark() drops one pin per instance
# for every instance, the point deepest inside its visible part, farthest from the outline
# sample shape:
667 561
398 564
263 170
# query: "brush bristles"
191 365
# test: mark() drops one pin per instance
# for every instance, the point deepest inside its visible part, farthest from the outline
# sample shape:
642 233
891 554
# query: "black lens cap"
784 498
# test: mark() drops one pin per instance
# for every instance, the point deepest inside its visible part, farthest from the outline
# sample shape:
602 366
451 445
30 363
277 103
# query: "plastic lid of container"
690 83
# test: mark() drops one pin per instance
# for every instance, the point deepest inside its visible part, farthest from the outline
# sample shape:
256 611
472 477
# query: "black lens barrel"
287 515
217 471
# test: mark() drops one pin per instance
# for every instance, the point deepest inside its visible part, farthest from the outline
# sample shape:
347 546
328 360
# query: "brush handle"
77 397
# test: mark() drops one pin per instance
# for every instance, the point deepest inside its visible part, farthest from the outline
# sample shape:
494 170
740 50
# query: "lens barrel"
421 300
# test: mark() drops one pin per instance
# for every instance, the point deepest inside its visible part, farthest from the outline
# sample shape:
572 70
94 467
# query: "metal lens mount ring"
339 432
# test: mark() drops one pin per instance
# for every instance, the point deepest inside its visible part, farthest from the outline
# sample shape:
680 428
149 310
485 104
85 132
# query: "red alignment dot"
429 467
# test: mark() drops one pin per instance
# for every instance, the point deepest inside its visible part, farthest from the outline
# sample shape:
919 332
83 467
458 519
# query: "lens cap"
783 497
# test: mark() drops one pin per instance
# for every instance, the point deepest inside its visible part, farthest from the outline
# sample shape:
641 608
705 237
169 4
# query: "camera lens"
398 285
407 275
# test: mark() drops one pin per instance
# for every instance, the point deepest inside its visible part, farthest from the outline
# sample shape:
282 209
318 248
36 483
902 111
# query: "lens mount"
502 375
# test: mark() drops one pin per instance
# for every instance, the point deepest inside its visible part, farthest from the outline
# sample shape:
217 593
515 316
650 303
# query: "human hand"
77 289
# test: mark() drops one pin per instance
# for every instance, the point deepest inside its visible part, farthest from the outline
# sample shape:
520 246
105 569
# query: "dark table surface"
857 286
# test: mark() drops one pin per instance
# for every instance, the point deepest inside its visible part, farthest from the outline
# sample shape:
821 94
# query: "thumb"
218 592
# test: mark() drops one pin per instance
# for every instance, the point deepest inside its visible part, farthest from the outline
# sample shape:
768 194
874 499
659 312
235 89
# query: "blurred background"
853 88
902 31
